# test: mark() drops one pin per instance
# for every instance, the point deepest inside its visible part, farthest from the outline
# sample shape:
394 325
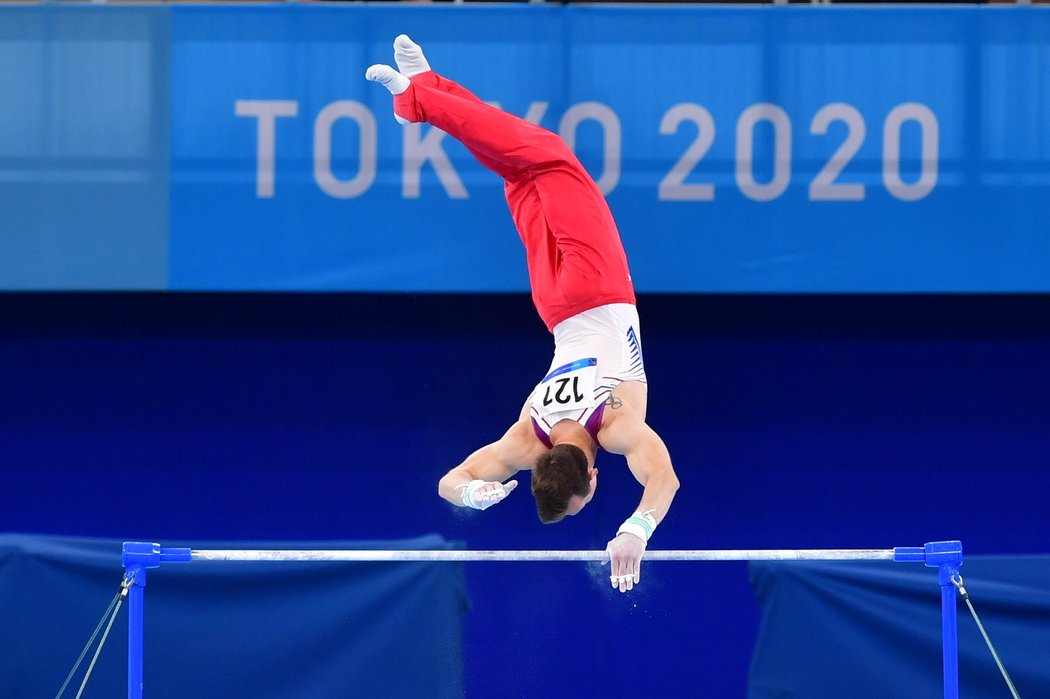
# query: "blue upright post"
137 557
946 556
135 628
950 632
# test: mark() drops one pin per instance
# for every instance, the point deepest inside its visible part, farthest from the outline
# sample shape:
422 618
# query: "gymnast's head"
563 482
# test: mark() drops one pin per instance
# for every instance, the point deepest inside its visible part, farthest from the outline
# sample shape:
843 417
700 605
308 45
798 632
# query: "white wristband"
641 524
468 495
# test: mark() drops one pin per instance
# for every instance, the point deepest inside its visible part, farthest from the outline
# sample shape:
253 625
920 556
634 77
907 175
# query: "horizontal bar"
460 555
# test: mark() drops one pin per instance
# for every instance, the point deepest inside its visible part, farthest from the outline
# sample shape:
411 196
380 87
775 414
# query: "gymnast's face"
578 502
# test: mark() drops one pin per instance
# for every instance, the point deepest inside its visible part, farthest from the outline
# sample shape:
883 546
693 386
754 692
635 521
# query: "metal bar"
460 555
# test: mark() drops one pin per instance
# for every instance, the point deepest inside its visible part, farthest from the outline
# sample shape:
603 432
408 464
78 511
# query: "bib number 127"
559 392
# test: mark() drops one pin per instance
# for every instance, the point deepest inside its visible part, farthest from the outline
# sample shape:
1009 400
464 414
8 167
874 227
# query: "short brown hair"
557 476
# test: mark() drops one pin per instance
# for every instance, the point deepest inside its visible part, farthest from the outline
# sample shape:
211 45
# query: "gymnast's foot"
409 57
388 78
391 80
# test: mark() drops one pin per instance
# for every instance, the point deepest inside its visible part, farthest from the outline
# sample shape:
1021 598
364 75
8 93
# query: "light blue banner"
83 148
741 149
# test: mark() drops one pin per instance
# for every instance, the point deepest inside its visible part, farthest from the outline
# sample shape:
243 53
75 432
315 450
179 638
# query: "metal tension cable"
111 613
958 582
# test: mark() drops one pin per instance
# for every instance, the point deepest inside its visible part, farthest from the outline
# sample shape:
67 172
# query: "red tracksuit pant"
575 258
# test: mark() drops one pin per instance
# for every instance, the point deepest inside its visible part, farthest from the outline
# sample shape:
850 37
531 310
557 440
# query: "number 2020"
824 186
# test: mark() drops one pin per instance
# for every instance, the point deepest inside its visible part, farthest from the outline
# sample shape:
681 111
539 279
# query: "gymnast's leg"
573 250
504 143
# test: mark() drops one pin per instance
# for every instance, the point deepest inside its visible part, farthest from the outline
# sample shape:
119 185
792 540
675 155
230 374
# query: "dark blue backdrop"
794 421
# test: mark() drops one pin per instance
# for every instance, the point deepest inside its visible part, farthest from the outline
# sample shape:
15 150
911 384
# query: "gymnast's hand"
625 560
482 495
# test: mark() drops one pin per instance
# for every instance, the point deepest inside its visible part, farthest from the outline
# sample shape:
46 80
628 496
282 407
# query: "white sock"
390 79
409 57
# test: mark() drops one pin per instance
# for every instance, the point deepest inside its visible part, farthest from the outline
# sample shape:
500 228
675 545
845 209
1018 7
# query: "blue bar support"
950 633
136 594
137 557
946 556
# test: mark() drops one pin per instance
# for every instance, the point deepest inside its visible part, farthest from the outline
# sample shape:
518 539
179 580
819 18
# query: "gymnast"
594 394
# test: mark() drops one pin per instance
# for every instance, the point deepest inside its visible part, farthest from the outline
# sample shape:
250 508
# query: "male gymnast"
594 394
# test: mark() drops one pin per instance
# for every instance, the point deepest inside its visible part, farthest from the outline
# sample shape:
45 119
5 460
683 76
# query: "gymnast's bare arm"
479 481
624 431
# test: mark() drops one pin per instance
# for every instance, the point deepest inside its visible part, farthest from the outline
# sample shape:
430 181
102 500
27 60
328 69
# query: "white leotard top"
594 351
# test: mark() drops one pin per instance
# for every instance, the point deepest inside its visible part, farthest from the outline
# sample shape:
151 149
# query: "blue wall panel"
83 148
233 629
792 149
886 613
741 151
